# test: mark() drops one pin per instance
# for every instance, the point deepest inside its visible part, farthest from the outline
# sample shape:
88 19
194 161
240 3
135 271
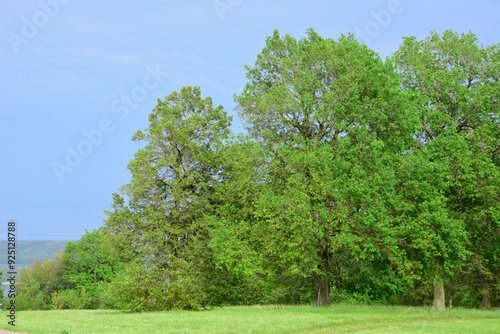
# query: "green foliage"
37 282
162 228
2 294
454 84
71 299
135 289
371 179
361 181
84 265
69 280
332 129
29 295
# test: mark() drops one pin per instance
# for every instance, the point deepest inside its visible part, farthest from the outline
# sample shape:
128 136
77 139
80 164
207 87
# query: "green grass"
261 319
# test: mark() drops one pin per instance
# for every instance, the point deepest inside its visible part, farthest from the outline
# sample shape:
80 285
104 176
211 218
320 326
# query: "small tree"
85 265
37 283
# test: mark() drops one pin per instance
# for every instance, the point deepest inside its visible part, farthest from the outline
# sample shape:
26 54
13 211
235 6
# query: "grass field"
261 319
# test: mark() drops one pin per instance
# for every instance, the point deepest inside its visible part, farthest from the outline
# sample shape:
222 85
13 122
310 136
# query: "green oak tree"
454 83
331 118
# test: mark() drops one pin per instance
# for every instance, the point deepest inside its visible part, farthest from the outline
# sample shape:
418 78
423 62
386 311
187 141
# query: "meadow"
261 319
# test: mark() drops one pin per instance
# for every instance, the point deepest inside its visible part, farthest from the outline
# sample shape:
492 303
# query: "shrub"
30 296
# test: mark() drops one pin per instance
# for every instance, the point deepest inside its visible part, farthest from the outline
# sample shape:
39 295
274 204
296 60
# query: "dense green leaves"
333 117
173 176
372 180
455 85
320 89
86 265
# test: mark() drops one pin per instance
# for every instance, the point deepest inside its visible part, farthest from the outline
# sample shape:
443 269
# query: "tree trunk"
294 293
485 292
321 297
321 288
438 304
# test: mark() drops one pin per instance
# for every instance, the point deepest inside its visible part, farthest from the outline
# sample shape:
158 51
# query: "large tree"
173 178
454 83
331 117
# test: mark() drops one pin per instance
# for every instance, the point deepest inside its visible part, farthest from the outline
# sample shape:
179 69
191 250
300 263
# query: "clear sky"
79 77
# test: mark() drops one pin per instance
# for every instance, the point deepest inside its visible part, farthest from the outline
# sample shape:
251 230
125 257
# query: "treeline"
360 180
70 279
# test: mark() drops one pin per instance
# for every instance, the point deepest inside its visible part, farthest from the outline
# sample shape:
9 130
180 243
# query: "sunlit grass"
261 319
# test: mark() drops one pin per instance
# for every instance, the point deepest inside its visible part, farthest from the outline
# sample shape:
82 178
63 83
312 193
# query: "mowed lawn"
261 319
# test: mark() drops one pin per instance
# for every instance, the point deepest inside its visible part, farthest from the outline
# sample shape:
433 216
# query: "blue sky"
79 77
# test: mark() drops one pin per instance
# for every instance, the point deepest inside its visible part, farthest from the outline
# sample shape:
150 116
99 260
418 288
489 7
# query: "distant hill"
28 250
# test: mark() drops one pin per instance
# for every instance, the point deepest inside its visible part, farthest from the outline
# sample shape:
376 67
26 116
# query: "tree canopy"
358 179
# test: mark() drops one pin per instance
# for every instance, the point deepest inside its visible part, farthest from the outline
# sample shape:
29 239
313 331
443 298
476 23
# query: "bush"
71 299
30 296
134 289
